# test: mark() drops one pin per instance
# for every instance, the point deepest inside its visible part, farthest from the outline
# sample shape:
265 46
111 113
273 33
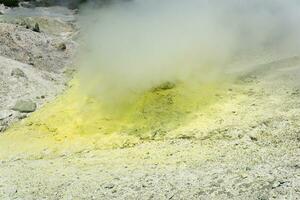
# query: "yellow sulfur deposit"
75 122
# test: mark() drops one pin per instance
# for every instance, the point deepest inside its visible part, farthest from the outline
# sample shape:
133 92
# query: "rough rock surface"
32 67
24 106
57 21
33 48
35 85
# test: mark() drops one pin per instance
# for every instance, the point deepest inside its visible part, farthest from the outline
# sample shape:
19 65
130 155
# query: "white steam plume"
133 46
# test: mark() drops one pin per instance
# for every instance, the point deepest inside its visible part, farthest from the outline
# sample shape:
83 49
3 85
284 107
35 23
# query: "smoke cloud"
133 46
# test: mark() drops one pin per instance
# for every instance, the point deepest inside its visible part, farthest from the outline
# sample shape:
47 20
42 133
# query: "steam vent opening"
140 74
143 71
149 99
75 121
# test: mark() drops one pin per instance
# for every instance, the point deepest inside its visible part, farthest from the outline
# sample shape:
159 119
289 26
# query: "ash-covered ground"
246 145
36 55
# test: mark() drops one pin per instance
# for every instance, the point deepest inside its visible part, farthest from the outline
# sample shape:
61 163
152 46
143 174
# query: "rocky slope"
244 145
35 59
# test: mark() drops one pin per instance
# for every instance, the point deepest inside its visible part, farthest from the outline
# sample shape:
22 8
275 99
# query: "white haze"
133 46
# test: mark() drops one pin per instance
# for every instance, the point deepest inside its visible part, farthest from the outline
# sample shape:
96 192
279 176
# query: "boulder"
24 106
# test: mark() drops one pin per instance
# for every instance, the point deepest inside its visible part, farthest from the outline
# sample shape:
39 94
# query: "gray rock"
21 116
62 46
18 73
2 128
109 186
165 86
36 28
25 106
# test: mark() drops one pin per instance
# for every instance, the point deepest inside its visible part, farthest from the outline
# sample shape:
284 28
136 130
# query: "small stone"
110 186
27 26
253 138
165 86
62 46
24 106
2 128
297 166
243 175
21 116
276 184
36 28
18 73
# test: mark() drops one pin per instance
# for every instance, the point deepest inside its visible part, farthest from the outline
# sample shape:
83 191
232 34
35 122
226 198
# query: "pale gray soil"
254 153
40 57
251 152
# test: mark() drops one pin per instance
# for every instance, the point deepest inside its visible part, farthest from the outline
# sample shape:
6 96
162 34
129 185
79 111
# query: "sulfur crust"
75 122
